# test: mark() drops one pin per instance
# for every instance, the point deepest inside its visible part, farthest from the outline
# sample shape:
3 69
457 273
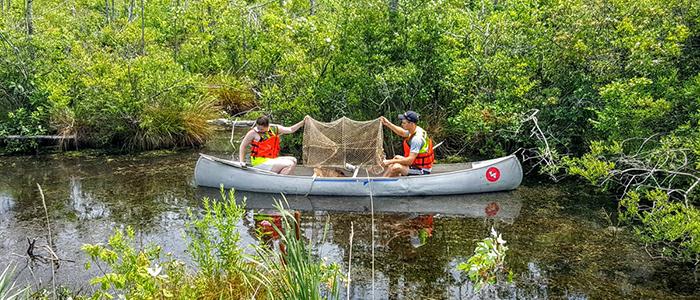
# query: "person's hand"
385 162
383 120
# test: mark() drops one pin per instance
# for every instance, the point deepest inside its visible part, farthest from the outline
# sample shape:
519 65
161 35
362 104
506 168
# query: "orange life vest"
268 146
425 157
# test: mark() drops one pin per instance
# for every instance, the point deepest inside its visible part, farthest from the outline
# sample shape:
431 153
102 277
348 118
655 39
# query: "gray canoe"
500 174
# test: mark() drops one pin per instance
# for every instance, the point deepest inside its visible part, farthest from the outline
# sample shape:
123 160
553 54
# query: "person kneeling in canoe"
264 141
417 148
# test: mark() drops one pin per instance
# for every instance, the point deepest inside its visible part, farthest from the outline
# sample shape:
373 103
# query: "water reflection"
502 206
6 203
557 239
84 205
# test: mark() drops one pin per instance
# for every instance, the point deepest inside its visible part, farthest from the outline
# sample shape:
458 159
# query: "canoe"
500 174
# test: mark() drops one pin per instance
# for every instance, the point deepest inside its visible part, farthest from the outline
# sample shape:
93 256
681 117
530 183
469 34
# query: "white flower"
154 271
500 240
493 232
328 40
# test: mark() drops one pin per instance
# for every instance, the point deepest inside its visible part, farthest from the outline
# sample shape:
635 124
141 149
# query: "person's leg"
278 164
412 171
395 170
288 163
281 165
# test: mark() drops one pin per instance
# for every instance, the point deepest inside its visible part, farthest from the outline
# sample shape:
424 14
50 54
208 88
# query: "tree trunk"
30 21
312 9
393 5
107 11
131 11
143 28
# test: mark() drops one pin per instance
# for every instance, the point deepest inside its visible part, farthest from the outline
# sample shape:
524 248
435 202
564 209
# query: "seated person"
417 147
264 141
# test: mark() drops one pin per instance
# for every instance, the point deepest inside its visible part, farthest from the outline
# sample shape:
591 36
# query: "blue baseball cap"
410 116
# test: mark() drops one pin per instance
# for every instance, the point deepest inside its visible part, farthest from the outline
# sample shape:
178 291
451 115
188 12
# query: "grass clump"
8 287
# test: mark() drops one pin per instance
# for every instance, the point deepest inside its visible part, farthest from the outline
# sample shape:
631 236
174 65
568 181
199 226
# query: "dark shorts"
415 171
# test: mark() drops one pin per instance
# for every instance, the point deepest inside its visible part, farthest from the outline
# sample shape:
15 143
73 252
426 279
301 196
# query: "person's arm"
244 144
292 129
396 129
416 144
406 161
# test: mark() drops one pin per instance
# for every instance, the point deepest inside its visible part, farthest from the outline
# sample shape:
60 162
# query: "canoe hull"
499 174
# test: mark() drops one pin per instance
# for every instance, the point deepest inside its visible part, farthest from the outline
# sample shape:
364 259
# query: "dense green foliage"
601 73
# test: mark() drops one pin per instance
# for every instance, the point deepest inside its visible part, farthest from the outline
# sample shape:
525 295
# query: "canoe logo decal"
493 174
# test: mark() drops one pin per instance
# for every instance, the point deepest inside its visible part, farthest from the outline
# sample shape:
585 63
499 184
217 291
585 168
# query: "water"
562 242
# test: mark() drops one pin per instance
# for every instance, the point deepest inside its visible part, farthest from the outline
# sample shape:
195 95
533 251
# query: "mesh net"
342 141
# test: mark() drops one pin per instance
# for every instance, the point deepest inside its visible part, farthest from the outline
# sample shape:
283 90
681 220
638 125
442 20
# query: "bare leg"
395 170
288 165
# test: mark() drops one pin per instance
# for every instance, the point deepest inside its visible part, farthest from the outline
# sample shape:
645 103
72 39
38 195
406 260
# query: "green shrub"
487 266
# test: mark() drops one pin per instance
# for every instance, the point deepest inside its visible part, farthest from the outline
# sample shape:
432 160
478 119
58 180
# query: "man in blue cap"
417 147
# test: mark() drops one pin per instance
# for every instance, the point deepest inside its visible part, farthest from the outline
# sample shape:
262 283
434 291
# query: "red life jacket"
425 157
268 146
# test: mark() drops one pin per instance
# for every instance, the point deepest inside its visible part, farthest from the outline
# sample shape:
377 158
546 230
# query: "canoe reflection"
502 206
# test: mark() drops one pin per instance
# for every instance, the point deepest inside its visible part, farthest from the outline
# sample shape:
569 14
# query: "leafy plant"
134 274
673 227
214 247
487 265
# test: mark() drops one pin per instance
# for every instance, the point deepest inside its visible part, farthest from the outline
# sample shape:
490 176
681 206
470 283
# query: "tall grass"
223 271
8 286
294 272
234 95
184 124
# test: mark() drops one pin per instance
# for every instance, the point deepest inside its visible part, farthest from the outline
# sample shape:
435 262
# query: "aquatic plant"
487 265
293 271
223 271
132 273
8 287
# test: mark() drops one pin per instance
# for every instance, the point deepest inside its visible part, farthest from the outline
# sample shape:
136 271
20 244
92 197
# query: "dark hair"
263 121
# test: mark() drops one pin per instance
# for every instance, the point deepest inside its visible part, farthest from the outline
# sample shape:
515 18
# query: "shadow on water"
562 244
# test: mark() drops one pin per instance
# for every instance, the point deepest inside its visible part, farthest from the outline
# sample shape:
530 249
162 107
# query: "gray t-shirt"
417 141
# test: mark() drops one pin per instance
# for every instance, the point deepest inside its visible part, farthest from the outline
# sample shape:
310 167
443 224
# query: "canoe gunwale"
307 177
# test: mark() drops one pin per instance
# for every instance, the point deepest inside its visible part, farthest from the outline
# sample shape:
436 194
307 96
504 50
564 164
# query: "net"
342 141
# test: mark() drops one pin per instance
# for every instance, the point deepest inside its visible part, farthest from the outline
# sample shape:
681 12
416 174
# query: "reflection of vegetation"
223 272
418 229
487 265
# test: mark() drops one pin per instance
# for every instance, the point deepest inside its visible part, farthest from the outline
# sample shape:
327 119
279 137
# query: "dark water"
562 243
